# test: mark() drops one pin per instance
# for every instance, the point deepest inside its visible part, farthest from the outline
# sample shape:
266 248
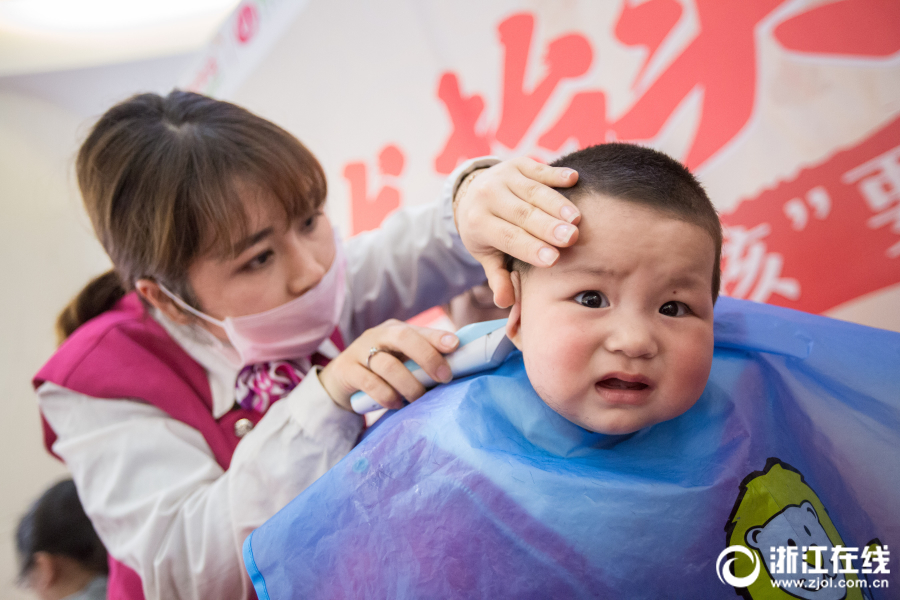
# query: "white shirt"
150 484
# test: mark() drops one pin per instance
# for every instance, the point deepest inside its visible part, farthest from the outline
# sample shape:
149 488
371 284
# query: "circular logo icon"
247 23
724 570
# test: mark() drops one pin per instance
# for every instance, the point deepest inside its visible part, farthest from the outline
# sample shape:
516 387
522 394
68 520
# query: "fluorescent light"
97 16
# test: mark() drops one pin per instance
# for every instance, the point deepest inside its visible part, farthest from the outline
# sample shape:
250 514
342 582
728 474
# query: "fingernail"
568 213
444 373
547 255
563 233
567 173
449 340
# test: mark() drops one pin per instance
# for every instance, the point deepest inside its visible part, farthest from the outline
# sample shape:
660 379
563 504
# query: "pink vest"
125 353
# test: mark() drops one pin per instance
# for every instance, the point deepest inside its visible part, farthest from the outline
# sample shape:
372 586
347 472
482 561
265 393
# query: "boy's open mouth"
614 383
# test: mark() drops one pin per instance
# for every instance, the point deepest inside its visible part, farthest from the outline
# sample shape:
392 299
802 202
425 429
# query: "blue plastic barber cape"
479 490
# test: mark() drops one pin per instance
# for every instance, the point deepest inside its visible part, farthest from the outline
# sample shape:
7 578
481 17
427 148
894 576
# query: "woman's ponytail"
97 297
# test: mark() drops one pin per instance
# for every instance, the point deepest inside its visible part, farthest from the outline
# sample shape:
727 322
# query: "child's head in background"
618 334
59 551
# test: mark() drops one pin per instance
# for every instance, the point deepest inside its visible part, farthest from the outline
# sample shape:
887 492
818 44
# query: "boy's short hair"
644 176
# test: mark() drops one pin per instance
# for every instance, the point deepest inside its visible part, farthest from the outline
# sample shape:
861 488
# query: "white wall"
48 252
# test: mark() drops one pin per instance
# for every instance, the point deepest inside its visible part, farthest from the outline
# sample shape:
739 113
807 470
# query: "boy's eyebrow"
252 239
593 270
681 280
686 281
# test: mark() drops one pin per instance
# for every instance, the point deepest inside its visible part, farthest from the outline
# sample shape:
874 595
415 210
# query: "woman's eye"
310 223
592 299
259 260
674 308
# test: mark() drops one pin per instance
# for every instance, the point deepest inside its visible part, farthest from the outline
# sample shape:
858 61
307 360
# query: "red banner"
829 235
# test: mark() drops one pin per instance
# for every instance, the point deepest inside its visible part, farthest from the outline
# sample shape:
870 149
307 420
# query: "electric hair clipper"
482 346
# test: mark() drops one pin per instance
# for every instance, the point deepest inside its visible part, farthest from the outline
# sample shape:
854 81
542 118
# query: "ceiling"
38 36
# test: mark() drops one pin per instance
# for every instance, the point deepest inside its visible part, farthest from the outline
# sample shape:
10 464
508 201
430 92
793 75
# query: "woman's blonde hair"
160 179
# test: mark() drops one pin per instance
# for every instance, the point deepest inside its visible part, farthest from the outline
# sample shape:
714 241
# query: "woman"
206 379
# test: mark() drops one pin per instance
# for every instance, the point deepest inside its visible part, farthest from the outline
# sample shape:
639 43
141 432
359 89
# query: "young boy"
618 334
594 464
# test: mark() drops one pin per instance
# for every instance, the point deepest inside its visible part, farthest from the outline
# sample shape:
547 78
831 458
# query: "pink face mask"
293 330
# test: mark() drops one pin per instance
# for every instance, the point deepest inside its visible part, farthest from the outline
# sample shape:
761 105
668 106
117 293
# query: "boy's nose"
632 336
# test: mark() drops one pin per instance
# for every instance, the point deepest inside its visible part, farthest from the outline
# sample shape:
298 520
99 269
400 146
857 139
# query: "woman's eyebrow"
252 239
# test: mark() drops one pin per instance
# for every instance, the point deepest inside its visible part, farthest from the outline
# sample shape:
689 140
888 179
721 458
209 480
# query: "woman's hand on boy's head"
510 208
373 363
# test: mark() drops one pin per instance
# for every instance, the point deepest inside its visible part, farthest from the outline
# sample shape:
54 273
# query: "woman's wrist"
332 388
462 188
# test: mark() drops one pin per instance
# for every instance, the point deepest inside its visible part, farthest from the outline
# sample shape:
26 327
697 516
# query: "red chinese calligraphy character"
567 56
878 180
647 25
464 142
750 270
854 27
721 61
368 212
836 244
584 121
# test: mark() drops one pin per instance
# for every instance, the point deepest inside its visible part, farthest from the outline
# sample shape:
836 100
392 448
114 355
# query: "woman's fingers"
511 209
534 188
422 345
521 224
552 176
382 375
524 189
534 207
425 347
378 389
395 374
499 280
522 230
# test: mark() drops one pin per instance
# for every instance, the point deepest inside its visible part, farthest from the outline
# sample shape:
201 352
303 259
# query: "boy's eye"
674 308
592 299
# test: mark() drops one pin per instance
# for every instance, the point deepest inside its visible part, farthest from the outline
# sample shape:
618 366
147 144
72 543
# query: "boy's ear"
514 323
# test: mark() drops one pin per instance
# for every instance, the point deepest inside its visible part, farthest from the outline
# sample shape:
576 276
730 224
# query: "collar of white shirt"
221 374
